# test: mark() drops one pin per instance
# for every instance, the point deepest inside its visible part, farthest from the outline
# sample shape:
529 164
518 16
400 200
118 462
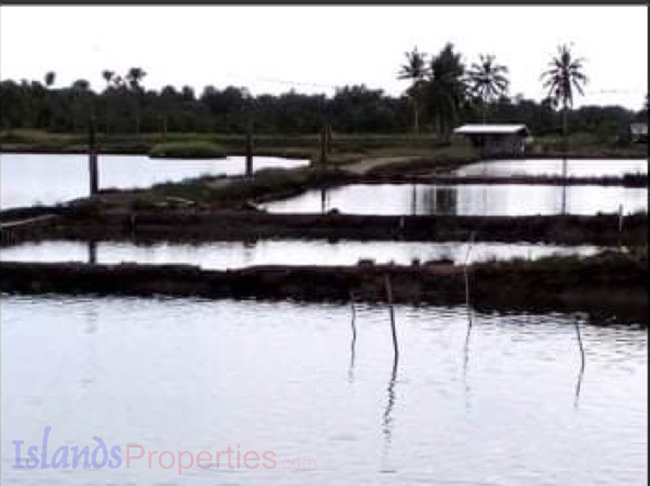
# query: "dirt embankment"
205 225
601 286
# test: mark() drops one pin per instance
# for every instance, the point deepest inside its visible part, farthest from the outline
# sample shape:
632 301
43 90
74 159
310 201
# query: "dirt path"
364 166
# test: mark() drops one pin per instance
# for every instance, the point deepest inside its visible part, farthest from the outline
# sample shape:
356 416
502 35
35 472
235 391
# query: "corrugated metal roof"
496 128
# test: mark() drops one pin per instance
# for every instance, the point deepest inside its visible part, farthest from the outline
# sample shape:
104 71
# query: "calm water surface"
192 375
222 255
466 200
556 167
28 179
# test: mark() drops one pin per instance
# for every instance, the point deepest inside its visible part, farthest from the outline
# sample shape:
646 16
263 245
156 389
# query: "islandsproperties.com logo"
30 456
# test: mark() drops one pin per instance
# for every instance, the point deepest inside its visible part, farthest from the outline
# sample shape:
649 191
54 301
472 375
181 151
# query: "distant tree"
50 77
565 74
445 89
108 77
80 93
414 70
643 114
487 81
134 77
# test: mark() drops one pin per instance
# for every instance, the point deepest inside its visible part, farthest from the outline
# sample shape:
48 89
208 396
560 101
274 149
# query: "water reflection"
466 200
92 252
223 255
556 167
353 344
185 374
387 421
28 179
582 362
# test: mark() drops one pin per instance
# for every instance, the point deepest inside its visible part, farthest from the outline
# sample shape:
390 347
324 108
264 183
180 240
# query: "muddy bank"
188 225
600 286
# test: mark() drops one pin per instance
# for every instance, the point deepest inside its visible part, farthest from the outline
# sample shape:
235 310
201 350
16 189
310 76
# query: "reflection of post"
389 295
92 252
387 420
92 158
564 175
413 200
323 200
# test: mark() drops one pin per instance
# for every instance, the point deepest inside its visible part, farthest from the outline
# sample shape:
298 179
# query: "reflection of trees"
439 200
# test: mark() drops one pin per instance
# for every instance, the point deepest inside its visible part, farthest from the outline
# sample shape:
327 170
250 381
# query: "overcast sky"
313 49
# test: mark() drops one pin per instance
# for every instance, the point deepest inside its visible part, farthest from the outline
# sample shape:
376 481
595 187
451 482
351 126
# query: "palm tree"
133 77
80 90
487 81
445 89
108 77
564 74
415 70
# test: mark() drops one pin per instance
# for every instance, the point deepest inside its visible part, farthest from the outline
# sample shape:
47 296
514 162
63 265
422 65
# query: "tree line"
443 92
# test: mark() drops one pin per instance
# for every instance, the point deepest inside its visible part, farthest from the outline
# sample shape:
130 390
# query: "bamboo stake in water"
389 295
582 360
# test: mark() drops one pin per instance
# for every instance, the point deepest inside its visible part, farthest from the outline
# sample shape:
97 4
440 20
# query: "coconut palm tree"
133 77
415 70
487 81
565 74
445 89
108 77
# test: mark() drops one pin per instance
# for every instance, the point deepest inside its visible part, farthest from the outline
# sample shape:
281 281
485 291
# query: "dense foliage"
440 94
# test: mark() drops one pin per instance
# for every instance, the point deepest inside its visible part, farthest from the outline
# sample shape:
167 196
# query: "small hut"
496 139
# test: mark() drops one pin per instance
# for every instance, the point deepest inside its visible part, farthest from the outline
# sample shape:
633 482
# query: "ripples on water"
184 374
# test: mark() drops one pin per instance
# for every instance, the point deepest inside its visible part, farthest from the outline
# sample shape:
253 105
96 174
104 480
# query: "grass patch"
187 150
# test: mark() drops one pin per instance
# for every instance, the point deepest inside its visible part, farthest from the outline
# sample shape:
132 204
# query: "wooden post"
92 159
164 128
249 147
389 295
323 145
329 139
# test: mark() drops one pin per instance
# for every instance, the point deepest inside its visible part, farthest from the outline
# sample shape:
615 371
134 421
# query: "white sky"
321 46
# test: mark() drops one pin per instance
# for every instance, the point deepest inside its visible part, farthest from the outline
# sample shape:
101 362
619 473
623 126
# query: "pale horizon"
314 49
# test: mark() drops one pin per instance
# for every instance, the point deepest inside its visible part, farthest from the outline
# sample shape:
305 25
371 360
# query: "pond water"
227 254
287 383
556 167
29 179
466 200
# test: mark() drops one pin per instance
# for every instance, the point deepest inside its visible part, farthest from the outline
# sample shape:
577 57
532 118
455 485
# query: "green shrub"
187 150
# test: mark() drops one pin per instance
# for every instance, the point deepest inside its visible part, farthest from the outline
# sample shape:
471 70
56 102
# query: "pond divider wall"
596 285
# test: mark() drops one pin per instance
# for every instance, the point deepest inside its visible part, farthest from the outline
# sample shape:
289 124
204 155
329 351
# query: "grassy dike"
609 284
345 147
